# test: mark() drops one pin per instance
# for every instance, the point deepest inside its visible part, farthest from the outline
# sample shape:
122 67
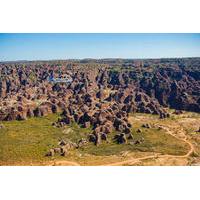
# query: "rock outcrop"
100 94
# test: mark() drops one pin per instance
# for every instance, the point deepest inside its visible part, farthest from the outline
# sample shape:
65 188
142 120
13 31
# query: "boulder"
50 153
64 152
2 126
146 125
120 138
86 124
82 142
129 136
30 113
104 136
37 112
57 150
92 138
139 130
178 112
98 139
137 142
62 143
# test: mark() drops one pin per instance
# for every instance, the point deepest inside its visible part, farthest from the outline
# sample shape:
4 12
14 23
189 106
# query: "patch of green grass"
28 141
154 141
77 132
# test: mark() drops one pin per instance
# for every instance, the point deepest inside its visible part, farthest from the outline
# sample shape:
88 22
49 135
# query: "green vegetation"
23 142
32 77
28 141
75 132
154 141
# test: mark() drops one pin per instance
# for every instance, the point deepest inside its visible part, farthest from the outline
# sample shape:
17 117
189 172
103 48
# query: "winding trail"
136 160
65 163
184 140
133 161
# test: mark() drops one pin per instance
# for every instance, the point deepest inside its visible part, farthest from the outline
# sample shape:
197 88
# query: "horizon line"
111 58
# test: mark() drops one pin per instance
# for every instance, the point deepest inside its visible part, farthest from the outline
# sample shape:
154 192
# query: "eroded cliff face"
99 89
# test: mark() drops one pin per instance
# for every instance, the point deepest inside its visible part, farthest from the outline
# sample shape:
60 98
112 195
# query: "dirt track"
136 160
65 163
133 161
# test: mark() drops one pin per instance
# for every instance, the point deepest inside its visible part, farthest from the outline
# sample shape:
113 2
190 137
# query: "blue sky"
64 46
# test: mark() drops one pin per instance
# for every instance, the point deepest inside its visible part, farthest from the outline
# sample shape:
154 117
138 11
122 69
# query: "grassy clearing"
154 141
23 142
76 132
29 140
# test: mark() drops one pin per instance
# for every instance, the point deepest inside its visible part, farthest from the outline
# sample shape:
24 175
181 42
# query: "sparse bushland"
26 142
